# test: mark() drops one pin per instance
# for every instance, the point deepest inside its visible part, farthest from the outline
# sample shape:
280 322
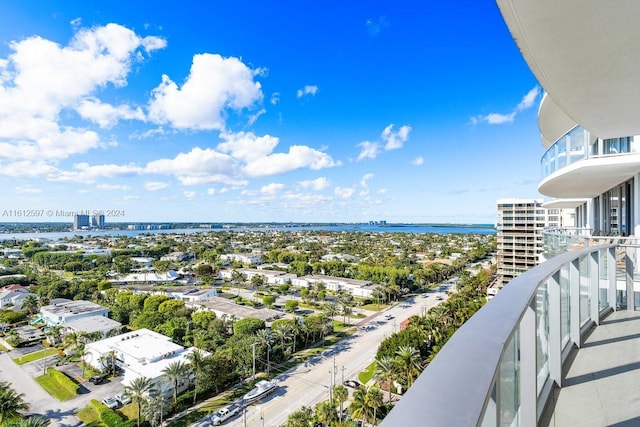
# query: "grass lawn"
89 417
373 307
54 388
367 374
2 348
35 356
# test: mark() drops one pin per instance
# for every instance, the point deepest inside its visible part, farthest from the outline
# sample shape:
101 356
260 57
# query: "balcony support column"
574 302
555 329
594 277
611 277
628 264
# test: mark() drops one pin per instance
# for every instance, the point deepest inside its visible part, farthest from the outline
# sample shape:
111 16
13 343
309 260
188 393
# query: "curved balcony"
577 165
507 365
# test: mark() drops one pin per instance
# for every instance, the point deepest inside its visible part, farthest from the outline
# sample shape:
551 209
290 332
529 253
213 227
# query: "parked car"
110 402
351 383
96 379
123 398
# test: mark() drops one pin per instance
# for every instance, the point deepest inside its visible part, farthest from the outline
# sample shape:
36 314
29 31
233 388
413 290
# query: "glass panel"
603 280
489 416
585 314
509 389
542 334
565 305
621 278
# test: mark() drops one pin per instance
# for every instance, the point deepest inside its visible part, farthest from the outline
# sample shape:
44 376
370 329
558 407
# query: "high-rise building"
81 222
521 225
97 221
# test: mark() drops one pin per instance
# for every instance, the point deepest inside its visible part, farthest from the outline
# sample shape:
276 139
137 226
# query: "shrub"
64 381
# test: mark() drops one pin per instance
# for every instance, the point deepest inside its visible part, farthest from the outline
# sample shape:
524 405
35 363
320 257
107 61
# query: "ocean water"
365 228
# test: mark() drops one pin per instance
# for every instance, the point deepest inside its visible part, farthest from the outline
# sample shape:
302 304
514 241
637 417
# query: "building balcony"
556 346
577 165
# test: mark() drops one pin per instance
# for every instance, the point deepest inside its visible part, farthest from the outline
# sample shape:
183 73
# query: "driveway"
40 402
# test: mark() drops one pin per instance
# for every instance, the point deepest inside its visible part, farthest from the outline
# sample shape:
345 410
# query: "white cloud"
106 115
307 90
382 191
344 192
213 85
211 191
299 156
272 188
189 194
155 185
394 140
370 150
418 161
317 184
113 187
275 98
199 166
40 79
246 146
365 178
498 118
529 99
28 189
374 26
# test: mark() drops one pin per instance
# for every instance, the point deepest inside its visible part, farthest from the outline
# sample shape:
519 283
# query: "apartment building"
521 224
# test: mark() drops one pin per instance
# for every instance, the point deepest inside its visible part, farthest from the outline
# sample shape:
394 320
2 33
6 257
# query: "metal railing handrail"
457 385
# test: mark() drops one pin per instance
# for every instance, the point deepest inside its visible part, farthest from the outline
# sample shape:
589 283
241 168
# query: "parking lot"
40 402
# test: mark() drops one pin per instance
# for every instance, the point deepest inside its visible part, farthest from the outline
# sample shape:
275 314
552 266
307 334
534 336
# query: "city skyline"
243 112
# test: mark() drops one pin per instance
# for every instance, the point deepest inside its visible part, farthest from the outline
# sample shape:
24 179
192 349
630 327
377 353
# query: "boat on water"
262 389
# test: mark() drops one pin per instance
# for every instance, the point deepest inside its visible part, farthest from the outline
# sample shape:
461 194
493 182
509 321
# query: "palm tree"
30 304
386 369
303 417
175 371
359 408
34 421
340 394
326 412
11 402
373 400
409 364
196 361
264 339
138 390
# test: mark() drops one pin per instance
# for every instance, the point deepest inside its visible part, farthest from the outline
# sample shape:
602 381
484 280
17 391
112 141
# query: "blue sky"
263 111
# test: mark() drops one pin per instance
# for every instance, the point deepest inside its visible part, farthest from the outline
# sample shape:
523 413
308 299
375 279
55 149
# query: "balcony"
578 165
536 354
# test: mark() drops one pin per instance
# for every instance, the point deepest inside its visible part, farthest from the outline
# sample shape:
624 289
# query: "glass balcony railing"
501 366
576 145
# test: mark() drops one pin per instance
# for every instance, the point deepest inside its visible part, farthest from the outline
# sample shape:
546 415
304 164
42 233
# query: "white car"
110 402
123 398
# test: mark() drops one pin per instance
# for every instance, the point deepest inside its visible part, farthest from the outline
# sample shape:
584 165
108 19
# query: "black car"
352 383
96 379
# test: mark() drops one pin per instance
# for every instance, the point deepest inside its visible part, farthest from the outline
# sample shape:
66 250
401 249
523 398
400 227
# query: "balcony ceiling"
552 121
563 203
590 177
586 56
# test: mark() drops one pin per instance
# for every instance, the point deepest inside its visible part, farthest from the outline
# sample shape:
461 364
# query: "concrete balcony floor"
602 384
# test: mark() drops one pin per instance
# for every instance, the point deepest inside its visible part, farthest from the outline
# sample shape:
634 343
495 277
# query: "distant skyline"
255 111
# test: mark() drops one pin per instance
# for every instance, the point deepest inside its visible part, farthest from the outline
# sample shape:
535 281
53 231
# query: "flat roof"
93 324
72 307
226 306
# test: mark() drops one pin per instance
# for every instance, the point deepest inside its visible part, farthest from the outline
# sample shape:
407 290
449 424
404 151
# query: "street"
308 384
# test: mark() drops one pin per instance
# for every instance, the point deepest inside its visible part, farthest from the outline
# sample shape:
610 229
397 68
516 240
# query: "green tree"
268 300
30 303
197 360
175 372
303 417
11 403
32 421
386 370
291 306
340 395
409 363
248 326
139 390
